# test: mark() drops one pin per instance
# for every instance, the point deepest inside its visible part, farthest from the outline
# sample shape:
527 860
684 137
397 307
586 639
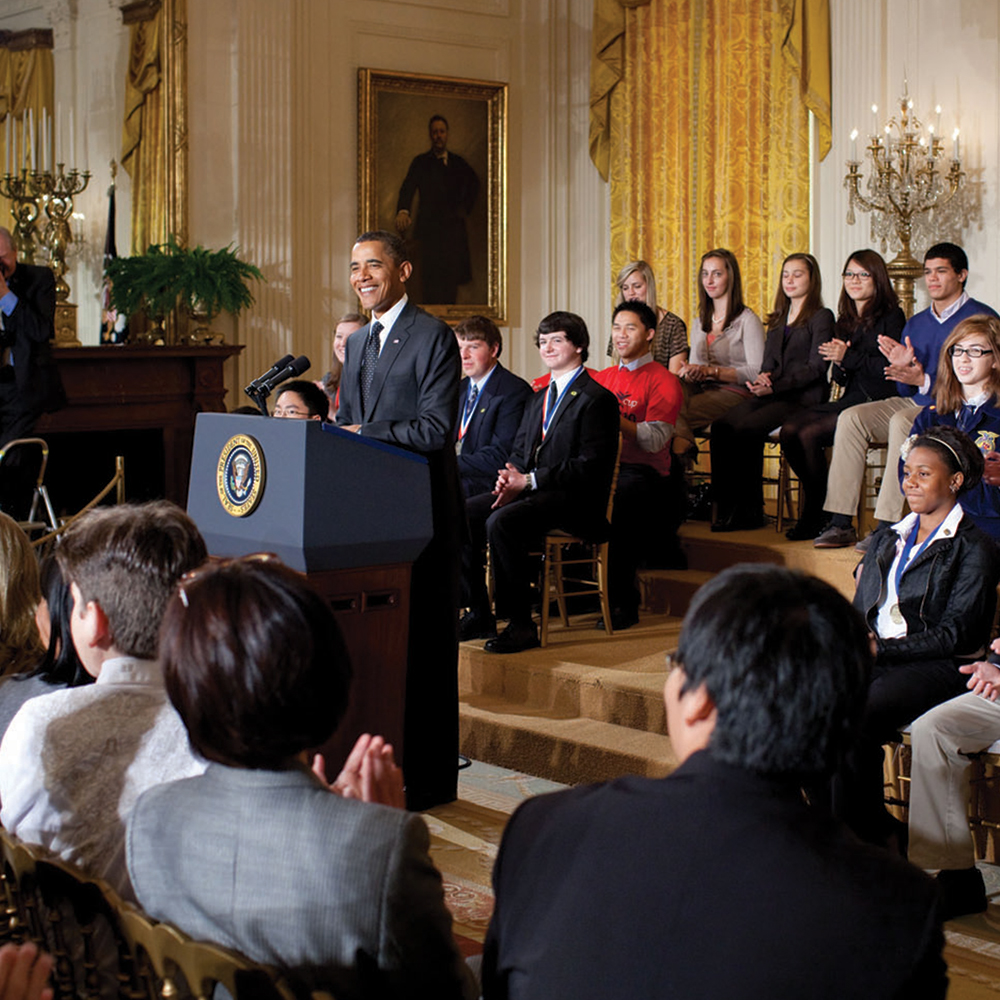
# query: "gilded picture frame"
432 166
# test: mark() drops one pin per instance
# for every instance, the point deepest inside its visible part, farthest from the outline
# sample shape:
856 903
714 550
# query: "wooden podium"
328 504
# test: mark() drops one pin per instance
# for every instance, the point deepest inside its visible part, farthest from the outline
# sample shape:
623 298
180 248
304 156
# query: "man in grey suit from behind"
259 854
400 386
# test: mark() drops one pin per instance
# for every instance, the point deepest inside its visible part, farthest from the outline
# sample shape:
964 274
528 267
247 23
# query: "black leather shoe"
513 639
621 619
476 625
739 521
804 530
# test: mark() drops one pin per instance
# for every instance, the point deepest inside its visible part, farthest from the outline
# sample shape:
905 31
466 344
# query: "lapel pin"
572 392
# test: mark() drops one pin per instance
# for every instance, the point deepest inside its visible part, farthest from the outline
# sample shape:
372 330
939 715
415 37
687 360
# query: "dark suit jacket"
27 331
491 431
341 892
577 458
414 401
798 371
714 882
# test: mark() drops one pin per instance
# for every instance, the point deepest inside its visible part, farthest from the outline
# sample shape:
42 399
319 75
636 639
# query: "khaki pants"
939 780
857 427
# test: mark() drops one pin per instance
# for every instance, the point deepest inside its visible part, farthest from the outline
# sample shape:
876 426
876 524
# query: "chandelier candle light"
906 187
36 176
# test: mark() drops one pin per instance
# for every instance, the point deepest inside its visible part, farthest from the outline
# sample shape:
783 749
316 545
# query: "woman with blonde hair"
967 397
20 645
636 283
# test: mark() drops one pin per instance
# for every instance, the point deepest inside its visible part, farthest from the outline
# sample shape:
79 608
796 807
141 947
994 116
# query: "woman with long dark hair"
792 376
868 309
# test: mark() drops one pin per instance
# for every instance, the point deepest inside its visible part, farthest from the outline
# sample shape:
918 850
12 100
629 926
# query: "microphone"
293 370
273 370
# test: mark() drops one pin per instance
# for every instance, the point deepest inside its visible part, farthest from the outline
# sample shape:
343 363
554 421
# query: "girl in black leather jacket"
927 587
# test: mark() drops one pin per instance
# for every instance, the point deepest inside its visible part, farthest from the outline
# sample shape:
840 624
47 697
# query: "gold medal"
896 615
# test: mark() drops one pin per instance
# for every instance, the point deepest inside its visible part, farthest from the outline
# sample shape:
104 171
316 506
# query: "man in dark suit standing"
447 187
400 386
491 403
558 476
28 382
720 880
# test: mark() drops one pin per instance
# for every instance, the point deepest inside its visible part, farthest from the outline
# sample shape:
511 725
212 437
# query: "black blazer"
798 371
492 429
577 457
862 372
414 402
714 882
27 332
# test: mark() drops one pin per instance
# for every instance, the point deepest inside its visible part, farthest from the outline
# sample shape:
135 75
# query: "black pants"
738 441
896 696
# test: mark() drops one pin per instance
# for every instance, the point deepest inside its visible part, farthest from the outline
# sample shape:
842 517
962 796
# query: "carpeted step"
669 591
568 750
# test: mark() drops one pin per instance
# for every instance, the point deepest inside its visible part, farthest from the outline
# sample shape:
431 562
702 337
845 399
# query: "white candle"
72 141
24 141
854 144
59 157
6 140
958 148
874 119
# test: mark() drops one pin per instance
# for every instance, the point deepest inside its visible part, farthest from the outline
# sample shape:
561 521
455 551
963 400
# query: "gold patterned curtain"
143 131
27 81
706 136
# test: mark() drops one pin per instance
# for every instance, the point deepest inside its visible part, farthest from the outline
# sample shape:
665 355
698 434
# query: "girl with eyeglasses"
967 397
868 308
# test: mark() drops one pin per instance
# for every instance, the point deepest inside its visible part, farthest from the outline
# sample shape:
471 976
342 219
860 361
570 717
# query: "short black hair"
957 450
646 315
312 395
437 118
394 247
60 665
952 253
786 660
570 324
254 663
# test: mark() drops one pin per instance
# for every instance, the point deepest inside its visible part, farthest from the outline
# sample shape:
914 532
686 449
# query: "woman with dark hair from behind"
351 904
868 309
59 665
927 588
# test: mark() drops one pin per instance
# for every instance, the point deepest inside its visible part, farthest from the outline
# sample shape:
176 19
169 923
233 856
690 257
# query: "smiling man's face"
377 279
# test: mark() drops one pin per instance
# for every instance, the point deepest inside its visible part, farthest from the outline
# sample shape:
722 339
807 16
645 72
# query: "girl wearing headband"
927 589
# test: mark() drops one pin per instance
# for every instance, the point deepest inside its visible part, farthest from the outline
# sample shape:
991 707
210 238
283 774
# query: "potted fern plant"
203 282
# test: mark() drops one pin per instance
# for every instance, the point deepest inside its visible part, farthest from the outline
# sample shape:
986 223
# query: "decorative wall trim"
21 41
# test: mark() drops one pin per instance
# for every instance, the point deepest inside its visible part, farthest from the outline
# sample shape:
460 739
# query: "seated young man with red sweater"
649 400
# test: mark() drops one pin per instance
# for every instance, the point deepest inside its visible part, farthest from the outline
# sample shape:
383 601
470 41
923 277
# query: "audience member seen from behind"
727 345
762 696
73 762
330 383
927 589
792 377
636 283
351 903
20 645
59 666
868 309
968 397
300 400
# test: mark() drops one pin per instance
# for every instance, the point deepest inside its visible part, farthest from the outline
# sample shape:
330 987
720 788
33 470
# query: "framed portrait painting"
432 167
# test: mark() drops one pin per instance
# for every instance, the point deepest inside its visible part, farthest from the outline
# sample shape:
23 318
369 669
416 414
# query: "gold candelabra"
57 190
906 189
19 189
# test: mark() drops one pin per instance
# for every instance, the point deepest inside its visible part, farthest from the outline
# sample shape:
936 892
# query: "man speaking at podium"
400 386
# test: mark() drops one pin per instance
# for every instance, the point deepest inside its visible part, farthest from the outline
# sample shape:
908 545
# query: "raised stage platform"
589 706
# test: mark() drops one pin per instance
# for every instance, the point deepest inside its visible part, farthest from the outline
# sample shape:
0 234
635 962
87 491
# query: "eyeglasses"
956 351
860 275
290 411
